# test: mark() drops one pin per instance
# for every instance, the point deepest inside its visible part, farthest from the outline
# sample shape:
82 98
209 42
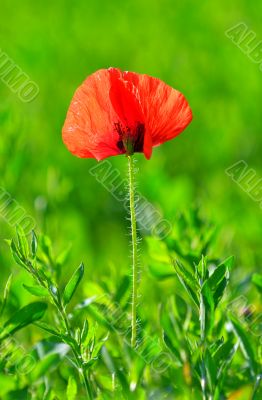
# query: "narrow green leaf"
63 257
34 244
23 317
223 352
114 369
22 242
222 372
228 262
17 255
188 281
96 313
122 289
47 328
6 293
84 331
46 364
73 284
209 307
77 335
70 341
219 279
221 274
217 276
220 291
186 275
171 346
245 344
37 290
108 360
202 268
211 370
46 246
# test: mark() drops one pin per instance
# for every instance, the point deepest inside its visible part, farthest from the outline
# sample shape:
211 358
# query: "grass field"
209 339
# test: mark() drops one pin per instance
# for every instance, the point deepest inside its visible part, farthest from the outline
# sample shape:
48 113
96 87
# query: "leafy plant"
42 267
196 345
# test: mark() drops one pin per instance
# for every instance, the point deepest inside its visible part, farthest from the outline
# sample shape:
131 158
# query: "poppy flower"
115 112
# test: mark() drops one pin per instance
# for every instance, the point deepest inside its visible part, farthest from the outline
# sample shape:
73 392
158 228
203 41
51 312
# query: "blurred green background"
58 43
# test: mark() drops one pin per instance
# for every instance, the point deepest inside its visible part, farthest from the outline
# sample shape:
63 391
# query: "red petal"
166 110
124 99
89 127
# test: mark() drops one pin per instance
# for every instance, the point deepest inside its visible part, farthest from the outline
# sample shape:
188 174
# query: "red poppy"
115 112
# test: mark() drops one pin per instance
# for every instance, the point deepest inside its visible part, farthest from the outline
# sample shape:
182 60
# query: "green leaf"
223 352
209 306
122 289
23 317
73 284
188 281
63 257
108 360
220 272
110 364
218 281
245 344
228 262
202 268
168 342
71 391
230 352
220 291
46 246
22 242
47 328
37 290
172 329
97 314
84 331
34 244
211 370
217 276
6 293
20 394
17 255
46 364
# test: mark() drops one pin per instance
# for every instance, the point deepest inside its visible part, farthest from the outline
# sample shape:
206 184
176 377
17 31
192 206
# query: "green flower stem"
134 248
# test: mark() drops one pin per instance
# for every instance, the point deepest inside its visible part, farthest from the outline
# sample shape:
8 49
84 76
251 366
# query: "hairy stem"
134 249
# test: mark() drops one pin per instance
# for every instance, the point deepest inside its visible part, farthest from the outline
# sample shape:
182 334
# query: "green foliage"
23 317
84 345
58 44
199 339
73 284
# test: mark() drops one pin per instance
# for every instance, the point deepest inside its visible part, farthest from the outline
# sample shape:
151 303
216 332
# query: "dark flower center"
130 139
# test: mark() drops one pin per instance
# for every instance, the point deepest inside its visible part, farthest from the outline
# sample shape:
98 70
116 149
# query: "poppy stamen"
130 139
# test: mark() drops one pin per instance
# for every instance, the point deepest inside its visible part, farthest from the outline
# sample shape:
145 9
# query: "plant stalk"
134 249
75 350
